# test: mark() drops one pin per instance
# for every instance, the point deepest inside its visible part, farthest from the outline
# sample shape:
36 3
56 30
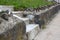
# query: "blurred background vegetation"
21 4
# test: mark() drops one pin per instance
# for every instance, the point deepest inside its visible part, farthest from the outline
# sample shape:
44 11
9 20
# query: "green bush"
21 4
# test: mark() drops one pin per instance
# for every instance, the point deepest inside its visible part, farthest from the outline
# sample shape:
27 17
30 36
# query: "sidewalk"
52 32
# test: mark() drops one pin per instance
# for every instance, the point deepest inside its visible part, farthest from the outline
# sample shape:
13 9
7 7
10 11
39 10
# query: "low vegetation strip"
21 4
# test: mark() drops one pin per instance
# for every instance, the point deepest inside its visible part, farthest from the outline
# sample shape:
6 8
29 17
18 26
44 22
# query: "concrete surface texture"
52 32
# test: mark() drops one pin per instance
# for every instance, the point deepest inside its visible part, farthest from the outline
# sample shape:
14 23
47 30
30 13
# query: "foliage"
21 4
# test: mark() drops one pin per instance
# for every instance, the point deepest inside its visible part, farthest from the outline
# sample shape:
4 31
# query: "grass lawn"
21 4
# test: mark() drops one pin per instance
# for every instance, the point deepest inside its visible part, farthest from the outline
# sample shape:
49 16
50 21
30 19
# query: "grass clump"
21 4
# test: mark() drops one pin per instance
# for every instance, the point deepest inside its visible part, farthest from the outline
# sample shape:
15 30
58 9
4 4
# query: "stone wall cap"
30 27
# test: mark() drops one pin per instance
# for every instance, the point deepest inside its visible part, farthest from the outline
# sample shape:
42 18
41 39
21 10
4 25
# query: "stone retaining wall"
45 17
17 32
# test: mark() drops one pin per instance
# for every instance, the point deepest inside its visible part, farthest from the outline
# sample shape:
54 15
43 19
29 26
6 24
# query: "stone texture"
13 29
46 16
16 33
31 31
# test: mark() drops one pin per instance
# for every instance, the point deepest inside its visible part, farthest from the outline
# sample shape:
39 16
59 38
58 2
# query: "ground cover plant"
21 4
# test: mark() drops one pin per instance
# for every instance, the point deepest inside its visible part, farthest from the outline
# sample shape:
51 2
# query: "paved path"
52 32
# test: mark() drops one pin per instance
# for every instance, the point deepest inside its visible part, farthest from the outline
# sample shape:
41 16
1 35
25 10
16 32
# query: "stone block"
12 30
26 20
32 30
18 13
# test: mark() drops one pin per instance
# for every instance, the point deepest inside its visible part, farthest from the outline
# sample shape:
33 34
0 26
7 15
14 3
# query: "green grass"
21 4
